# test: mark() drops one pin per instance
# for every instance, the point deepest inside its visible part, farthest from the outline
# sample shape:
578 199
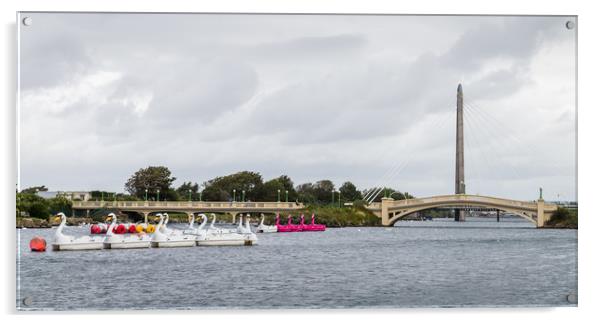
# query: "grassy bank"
332 216
29 222
563 218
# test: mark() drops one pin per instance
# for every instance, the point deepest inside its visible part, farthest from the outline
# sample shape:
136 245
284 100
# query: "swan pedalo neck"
175 238
62 241
262 228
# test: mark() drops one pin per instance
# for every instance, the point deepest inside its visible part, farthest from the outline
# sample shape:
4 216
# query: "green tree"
221 188
282 183
561 214
390 192
39 209
214 193
59 204
323 191
35 189
318 193
171 195
33 205
188 189
564 218
306 193
152 178
349 192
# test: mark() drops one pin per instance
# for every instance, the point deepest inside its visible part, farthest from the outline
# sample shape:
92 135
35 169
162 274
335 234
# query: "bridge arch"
390 211
400 214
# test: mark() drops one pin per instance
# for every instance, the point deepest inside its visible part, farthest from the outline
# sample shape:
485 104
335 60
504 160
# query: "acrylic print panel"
226 161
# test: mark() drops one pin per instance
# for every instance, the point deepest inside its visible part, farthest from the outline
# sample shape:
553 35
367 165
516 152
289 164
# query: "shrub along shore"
331 216
355 216
30 222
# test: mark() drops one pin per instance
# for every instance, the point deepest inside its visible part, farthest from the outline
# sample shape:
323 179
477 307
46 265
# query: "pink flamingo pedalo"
290 227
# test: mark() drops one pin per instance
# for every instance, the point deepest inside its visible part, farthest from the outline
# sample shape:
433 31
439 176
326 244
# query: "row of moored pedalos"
290 227
121 236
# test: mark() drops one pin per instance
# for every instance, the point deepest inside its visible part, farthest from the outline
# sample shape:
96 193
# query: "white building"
72 196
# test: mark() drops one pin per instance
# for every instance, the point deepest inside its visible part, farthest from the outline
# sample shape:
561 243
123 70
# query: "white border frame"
588 118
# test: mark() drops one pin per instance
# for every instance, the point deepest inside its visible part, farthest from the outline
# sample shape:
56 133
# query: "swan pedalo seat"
217 237
62 241
114 240
167 238
262 228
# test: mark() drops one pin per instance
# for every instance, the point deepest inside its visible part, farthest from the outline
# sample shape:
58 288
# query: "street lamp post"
339 198
201 196
234 195
158 196
333 196
243 196
146 194
286 196
189 195
278 195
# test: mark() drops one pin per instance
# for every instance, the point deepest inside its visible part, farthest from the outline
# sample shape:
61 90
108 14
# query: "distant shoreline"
43 224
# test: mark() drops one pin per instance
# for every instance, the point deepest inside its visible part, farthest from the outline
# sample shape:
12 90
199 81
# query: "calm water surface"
414 264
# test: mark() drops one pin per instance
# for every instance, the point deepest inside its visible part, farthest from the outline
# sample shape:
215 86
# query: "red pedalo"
37 244
95 229
120 229
132 228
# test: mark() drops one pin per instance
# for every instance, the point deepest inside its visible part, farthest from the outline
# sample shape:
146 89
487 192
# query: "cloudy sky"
369 99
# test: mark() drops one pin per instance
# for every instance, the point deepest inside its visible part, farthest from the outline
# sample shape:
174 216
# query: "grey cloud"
52 61
516 38
500 83
332 47
203 93
228 91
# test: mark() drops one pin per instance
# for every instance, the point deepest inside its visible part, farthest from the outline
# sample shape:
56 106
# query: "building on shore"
71 195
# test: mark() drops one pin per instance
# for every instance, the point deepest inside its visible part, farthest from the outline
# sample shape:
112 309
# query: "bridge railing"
486 199
185 204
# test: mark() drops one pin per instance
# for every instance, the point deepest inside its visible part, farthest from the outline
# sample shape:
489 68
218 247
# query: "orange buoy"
37 244
150 228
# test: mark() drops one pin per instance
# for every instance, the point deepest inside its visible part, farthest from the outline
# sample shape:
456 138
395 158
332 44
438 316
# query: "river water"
414 264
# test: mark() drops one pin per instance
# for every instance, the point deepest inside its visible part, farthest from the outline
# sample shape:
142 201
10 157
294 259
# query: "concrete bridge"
391 211
190 207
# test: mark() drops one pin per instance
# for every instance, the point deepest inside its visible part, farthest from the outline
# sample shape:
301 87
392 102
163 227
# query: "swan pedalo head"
59 217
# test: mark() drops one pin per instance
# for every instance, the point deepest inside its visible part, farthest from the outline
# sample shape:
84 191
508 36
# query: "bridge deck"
463 199
188 206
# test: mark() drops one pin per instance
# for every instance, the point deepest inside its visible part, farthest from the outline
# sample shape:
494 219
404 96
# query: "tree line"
30 203
157 183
